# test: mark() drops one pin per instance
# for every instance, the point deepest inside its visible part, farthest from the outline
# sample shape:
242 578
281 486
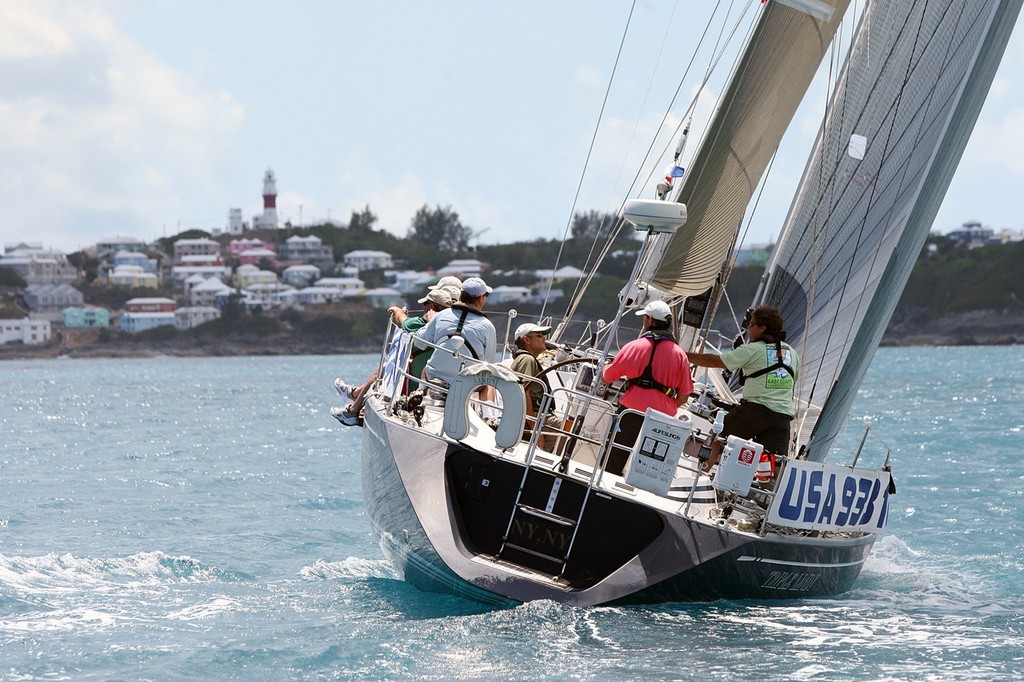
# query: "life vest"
771 368
646 379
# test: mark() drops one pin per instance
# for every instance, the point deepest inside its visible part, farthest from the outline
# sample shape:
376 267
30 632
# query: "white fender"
513 398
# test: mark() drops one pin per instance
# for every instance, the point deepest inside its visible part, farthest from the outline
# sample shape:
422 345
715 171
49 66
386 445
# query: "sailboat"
466 501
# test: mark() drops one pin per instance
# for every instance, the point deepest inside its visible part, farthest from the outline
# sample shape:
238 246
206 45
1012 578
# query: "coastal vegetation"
955 295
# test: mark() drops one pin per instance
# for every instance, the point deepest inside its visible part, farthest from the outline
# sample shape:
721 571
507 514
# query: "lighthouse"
269 218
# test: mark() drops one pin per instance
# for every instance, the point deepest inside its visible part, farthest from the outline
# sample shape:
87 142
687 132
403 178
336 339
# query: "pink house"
237 246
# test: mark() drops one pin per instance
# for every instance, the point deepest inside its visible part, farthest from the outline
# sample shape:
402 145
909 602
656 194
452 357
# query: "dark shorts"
629 430
753 421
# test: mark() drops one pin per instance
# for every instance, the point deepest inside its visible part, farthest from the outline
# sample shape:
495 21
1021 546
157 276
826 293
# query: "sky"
144 118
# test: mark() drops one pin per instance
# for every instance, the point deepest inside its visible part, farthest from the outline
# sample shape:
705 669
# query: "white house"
462 267
309 249
132 276
563 273
124 257
383 297
310 296
342 284
26 331
188 248
506 294
246 275
205 293
50 300
364 259
186 318
409 281
112 245
266 293
133 323
182 272
300 275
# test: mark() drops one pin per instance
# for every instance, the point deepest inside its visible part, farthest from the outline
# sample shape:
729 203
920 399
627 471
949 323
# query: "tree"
592 225
362 221
9 277
440 228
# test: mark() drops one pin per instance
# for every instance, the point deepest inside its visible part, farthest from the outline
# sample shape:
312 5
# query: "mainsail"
908 98
764 93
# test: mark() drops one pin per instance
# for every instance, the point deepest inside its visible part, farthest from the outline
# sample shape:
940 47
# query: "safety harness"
771 368
458 328
646 379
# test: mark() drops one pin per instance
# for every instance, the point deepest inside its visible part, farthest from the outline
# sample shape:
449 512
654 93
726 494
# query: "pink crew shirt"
670 368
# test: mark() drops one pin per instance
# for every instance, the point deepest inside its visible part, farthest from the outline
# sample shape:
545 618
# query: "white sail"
908 98
764 93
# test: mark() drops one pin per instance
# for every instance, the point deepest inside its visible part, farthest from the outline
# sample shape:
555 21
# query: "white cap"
447 281
474 286
658 310
528 328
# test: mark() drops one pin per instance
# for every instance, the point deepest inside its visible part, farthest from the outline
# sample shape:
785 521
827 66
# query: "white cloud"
98 135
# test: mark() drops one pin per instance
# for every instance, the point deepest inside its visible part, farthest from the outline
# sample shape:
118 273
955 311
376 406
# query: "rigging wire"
720 50
590 151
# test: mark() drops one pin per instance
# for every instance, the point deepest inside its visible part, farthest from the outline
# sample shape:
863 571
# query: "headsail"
913 86
770 80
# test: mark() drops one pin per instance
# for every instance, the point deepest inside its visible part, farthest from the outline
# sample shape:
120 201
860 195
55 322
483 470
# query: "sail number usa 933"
816 496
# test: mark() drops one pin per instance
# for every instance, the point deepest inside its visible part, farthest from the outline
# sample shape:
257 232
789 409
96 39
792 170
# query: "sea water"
202 518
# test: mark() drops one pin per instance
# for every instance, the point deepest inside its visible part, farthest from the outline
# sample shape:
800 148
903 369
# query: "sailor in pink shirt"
658 374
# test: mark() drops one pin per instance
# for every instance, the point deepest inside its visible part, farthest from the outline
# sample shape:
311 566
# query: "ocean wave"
59 572
352 568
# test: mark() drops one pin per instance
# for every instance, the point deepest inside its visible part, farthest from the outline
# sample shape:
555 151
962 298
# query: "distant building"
508 294
300 275
37 265
193 316
754 254
185 248
313 295
463 268
268 219
150 305
972 234
309 249
363 259
26 331
256 255
133 323
1006 236
409 281
383 297
204 294
349 285
74 318
111 245
180 273
136 258
246 275
559 275
235 223
49 300
132 276
237 246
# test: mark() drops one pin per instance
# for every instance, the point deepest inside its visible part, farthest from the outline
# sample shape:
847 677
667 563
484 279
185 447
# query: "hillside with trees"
955 295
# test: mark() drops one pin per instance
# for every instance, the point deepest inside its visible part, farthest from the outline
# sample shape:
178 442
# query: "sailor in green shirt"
770 368
434 302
